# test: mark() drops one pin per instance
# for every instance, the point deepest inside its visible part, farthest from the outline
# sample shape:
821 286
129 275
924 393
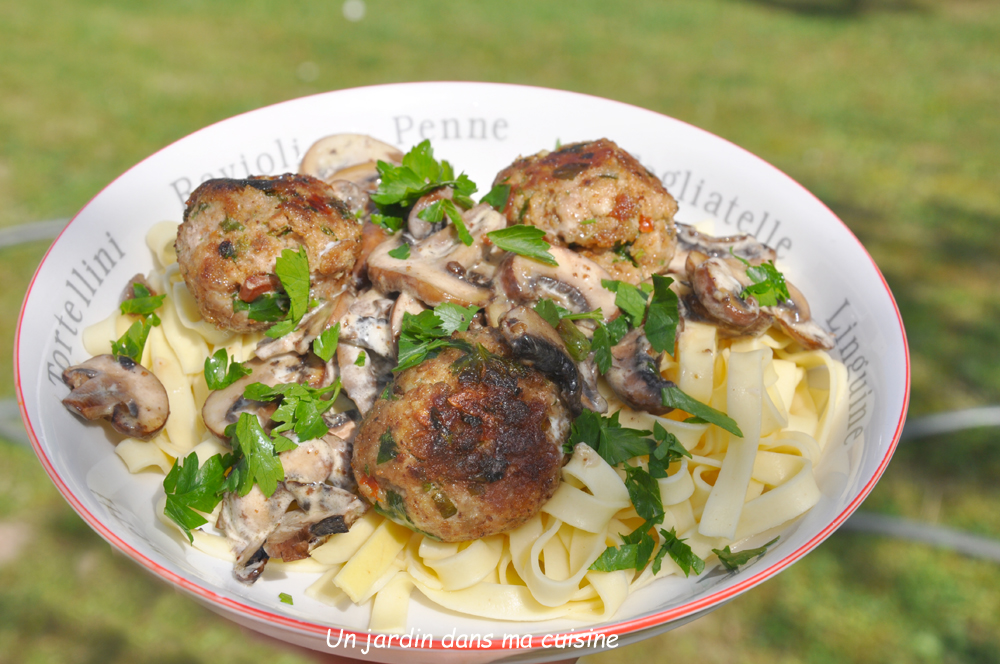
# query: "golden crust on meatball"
234 230
464 445
598 199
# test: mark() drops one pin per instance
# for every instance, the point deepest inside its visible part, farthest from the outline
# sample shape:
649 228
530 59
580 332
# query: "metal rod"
950 422
39 230
975 546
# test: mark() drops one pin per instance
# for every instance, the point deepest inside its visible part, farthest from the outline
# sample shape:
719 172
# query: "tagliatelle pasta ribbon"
139 455
745 383
469 566
374 563
780 504
605 493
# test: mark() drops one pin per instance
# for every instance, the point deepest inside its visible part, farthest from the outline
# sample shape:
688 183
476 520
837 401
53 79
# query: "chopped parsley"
257 457
285 598
497 197
667 451
673 397
653 307
143 304
285 308
662 316
266 308
606 336
360 362
634 552
190 487
292 269
387 449
733 561
454 317
395 509
523 240
630 299
220 373
613 442
616 444
389 223
301 408
419 174
424 335
132 343
254 460
622 250
229 225
644 492
325 345
768 285
442 208
680 552
402 252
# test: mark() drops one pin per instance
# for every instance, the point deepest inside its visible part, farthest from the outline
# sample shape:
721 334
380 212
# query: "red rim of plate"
620 628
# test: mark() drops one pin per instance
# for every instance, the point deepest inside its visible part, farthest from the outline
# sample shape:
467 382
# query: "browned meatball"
234 230
600 200
464 445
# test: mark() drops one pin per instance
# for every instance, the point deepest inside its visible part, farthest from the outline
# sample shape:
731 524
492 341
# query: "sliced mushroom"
248 521
300 339
323 511
746 247
362 380
635 375
354 197
426 274
365 176
717 284
119 390
223 407
590 396
418 228
366 328
341 449
332 154
371 237
366 323
538 345
574 284
310 461
343 425
261 527
795 318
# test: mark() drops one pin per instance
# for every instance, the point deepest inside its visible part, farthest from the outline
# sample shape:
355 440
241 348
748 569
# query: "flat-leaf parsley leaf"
218 376
524 240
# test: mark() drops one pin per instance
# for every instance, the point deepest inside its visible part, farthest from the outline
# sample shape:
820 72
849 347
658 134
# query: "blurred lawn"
888 111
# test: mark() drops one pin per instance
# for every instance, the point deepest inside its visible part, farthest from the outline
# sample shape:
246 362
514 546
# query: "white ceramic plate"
480 128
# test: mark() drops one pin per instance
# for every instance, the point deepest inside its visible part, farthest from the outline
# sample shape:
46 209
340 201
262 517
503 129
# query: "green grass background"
889 110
